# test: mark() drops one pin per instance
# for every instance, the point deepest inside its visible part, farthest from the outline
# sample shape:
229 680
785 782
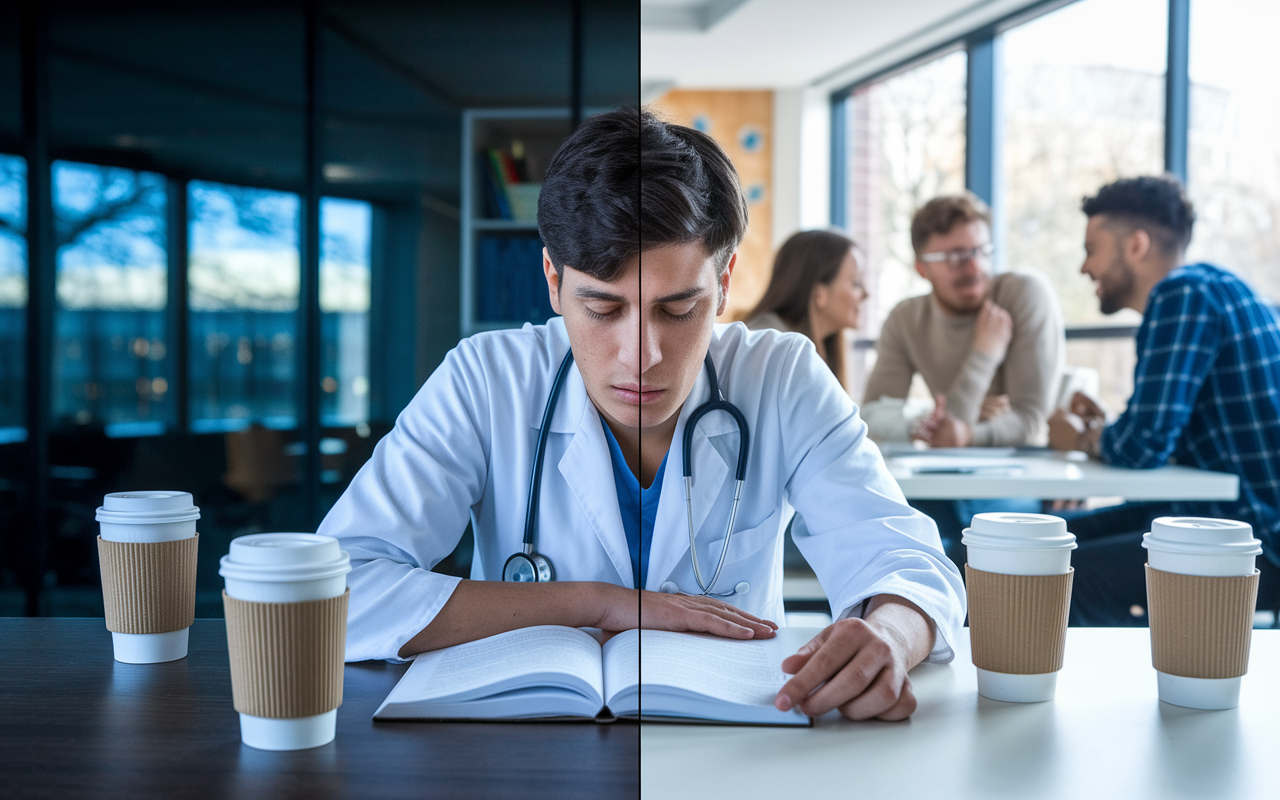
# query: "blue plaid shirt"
1206 393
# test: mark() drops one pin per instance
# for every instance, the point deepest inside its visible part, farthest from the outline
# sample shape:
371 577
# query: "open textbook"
552 672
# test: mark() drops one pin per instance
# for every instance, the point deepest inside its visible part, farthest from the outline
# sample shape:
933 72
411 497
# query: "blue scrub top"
639 507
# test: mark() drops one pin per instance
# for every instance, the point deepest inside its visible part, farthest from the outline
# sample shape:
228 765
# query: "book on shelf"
496 205
553 672
510 286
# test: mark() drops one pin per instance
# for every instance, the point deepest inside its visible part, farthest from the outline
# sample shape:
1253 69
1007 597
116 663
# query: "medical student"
641 220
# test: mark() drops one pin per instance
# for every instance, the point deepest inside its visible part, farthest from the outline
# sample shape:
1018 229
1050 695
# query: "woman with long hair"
816 289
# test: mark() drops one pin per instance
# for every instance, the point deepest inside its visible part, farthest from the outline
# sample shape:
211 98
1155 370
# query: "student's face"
840 301
639 342
1106 264
959 288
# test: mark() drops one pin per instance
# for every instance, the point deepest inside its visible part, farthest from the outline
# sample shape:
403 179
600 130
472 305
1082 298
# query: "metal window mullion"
308 349
982 128
1177 92
177 308
840 145
41 288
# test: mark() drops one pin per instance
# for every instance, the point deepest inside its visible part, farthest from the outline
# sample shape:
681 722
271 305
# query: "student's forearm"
477 609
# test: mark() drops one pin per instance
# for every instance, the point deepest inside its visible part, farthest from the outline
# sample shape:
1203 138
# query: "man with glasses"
989 347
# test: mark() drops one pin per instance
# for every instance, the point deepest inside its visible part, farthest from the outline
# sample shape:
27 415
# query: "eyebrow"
587 293
687 294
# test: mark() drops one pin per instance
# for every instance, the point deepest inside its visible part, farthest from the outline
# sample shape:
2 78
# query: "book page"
733 671
519 658
621 663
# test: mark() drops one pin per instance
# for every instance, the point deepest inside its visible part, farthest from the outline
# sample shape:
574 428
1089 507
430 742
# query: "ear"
920 270
553 281
820 295
724 283
1137 245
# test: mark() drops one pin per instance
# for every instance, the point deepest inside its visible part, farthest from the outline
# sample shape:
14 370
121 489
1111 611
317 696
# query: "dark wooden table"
76 723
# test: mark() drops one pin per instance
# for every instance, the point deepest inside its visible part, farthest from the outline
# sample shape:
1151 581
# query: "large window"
906 144
346 228
13 295
1083 105
109 344
1233 159
244 299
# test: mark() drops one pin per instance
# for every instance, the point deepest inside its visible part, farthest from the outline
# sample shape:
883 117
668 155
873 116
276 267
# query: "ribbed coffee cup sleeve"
149 587
286 658
1201 627
1018 623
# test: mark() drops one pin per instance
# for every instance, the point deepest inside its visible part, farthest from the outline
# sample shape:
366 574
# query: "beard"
1115 286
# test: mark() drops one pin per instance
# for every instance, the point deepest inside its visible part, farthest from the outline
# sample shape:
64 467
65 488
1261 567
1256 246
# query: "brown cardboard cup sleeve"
1201 627
1018 623
286 658
149 587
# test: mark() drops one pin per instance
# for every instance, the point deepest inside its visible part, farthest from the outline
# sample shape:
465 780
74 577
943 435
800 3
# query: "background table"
1050 476
1105 736
75 723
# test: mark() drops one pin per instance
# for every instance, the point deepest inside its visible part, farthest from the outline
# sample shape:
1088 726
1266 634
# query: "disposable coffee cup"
1018 575
1202 586
147 548
286 606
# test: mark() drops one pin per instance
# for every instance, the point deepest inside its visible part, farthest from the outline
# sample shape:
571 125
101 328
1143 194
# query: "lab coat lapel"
588 471
710 471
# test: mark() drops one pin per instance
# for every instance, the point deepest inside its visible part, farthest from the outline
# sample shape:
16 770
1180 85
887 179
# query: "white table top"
1104 736
952 476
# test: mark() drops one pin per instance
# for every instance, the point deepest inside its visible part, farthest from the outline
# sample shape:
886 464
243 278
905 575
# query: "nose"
639 350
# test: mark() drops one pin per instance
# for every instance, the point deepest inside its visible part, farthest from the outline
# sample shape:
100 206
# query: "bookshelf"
502 281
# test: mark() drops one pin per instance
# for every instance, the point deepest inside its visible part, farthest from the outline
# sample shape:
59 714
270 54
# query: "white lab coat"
466 444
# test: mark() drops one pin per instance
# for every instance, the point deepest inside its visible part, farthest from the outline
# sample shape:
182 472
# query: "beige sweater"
920 337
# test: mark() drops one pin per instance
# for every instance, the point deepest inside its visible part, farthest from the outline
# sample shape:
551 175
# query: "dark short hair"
941 214
626 181
589 205
1155 203
689 191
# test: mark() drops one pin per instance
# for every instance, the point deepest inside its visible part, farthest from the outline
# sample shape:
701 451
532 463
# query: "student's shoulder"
735 343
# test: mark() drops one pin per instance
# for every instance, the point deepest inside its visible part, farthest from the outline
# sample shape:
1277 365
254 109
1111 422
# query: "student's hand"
1086 408
993 331
925 428
860 665
682 612
1065 430
952 432
994 405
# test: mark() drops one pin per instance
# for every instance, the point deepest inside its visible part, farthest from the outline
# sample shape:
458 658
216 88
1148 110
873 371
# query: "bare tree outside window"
1233 169
906 145
1083 105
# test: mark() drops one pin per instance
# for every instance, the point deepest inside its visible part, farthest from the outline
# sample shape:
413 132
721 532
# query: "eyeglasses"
955 258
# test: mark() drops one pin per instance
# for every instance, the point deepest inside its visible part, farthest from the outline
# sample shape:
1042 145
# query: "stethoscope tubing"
715 403
535 480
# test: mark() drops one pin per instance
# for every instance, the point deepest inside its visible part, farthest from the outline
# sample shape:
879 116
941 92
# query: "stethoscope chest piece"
528 568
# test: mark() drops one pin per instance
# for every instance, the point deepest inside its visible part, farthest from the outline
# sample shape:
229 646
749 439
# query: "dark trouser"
1110 584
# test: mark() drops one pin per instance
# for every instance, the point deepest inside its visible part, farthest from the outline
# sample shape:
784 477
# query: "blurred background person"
816 289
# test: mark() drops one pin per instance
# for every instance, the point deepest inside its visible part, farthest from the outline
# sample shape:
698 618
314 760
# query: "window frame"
982 115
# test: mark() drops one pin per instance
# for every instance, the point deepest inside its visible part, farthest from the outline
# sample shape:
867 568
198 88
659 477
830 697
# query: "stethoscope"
528 566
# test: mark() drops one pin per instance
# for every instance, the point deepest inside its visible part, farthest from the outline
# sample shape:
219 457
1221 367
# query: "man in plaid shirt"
1206 392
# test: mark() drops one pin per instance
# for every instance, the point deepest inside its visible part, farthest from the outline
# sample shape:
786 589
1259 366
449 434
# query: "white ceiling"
740 44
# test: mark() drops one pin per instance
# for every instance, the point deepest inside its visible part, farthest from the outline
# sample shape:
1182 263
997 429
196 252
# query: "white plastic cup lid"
1008 530
147 508
1202 536
274 557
